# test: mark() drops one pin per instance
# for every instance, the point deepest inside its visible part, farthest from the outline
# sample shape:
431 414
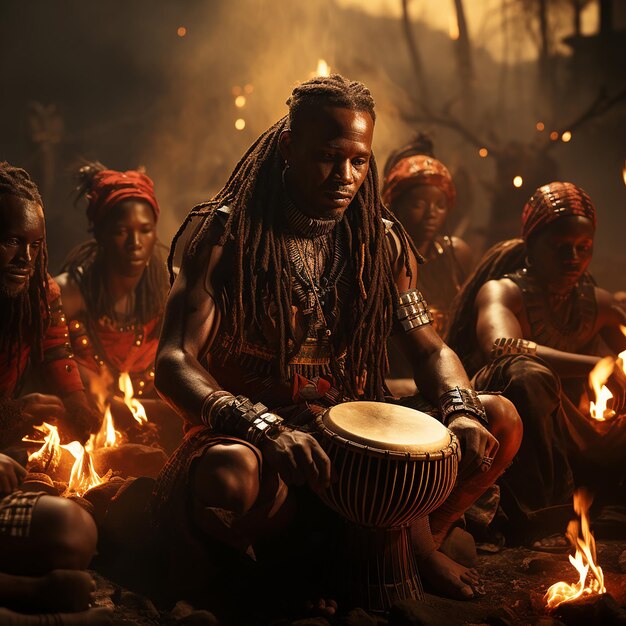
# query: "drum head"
386 426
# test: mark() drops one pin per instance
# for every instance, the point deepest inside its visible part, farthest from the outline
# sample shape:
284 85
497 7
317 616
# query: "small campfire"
83 476
106 451
591 578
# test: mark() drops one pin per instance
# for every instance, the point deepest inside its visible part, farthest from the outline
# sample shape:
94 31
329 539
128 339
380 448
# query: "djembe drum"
393 465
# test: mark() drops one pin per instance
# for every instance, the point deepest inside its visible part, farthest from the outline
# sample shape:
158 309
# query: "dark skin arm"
437 369
500 313
191 322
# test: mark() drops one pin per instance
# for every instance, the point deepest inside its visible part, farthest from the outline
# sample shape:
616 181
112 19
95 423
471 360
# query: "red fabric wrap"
418 169
120 346
111 187
552 201
61 372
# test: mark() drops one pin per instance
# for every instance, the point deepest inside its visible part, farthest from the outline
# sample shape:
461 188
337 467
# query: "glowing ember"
591 578
240 102
518 181
323 69
566 136
483 152
136 408
540 126
83 475
597 381
49 455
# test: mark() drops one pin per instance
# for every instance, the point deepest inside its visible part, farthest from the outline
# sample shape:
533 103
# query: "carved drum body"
393 465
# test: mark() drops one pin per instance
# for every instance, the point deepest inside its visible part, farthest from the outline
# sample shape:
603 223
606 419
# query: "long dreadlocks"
151 291
255 197
28 313
503 258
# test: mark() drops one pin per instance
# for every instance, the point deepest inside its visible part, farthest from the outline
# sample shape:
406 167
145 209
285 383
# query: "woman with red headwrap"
419 190
114 288
532 323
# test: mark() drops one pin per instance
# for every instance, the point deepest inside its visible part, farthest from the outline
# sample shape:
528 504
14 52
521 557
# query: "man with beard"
287 293
45 541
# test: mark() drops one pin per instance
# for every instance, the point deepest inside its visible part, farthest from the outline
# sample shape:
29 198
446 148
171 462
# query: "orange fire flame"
83 475
591 578
323 69
107 436
49 454
597 381
136 408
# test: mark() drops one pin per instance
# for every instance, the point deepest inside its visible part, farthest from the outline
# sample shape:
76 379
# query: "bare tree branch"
416 59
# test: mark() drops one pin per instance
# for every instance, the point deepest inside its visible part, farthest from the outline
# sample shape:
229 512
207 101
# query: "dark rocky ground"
515 580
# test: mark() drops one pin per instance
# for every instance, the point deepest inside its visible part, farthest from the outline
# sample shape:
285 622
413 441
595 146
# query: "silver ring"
487 460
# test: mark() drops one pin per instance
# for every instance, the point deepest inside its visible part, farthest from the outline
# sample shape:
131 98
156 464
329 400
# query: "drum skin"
392 464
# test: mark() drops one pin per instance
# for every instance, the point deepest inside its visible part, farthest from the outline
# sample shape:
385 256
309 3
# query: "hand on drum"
478 445
299 459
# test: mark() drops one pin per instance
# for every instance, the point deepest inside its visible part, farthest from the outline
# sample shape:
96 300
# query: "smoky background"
157 83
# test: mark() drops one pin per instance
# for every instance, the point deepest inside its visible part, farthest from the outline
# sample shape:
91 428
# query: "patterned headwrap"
552 201
418 169
110 187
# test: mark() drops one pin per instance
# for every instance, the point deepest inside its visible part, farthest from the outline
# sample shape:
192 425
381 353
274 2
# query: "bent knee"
533 374
228 477
505 423
65 532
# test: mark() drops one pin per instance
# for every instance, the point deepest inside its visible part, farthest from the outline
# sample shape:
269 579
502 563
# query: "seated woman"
114 288
45 541
419 190
531 323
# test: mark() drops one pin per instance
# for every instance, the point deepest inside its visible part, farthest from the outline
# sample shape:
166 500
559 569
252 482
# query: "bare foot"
324 607
92 617
67 591
446 577
460 546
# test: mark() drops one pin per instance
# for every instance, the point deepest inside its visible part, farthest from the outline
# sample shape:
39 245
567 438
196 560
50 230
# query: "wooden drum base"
380 567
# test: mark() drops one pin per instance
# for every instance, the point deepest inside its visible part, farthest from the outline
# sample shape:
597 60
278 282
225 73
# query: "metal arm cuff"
412 310
509 345
237 416
458 400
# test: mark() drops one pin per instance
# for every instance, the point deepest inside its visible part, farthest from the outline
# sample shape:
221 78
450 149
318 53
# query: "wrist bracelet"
457 400
212 405
238 416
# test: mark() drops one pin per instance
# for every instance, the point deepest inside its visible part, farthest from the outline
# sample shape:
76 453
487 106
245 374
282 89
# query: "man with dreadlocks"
44 541
114 288
287 293
535 322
